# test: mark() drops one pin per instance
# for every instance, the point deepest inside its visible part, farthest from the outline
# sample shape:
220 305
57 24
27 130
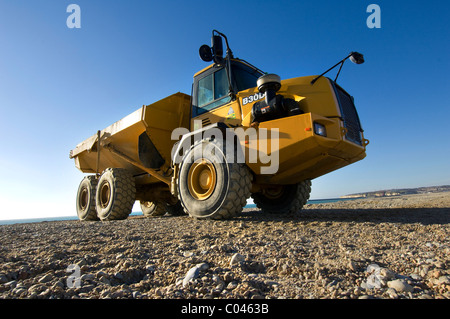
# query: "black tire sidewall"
175 209
105 212
282 203
86 183
147 211
208 207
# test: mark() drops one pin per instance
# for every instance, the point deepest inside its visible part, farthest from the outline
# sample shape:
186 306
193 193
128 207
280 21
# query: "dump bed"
144 136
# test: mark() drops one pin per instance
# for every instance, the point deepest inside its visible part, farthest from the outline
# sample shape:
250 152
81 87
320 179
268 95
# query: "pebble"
46 278
87 277
190 275
202 266
415 277
236 259
400 285
392 293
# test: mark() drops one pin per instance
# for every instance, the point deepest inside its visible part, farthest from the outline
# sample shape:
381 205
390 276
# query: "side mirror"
217 48
356 58
215 52
206 53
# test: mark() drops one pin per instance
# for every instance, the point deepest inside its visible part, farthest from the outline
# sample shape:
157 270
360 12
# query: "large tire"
209 187
174 209
152 209
86 199
283 199
115 194
155 209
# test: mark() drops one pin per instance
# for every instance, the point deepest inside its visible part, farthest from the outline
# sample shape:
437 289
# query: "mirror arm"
355 57
337 75
230 85
340 62
229 56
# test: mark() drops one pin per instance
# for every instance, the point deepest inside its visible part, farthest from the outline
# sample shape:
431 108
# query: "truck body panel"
302 154
156 120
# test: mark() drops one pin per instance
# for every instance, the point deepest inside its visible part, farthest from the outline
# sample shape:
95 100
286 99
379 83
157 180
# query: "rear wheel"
115 194
174 208
152 209
160 208
283 199
86 199
211 187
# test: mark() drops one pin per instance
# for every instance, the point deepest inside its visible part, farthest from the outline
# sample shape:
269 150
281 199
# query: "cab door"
211 101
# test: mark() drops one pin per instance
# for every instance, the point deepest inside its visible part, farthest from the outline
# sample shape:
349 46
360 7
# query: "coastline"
74 217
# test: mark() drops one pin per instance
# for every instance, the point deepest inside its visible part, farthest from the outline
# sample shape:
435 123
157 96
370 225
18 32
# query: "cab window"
212 91
244 76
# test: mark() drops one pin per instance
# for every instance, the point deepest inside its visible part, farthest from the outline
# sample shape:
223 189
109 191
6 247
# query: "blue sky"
58 86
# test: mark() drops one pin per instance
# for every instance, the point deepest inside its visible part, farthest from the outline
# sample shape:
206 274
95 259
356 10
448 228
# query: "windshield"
244 75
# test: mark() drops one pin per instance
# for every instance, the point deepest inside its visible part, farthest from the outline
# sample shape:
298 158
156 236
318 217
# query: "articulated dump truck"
242 133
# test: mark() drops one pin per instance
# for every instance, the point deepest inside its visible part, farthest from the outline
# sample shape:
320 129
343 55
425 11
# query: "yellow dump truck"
242 133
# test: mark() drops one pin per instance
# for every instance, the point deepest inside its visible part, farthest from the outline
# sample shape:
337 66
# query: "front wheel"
283 199
210 187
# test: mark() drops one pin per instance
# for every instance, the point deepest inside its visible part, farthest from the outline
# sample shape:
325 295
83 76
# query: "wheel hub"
105 194
147 204
83 200
202 179
273 192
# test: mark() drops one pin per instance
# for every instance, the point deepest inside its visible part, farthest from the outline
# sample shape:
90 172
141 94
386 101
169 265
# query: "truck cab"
215 95
319 126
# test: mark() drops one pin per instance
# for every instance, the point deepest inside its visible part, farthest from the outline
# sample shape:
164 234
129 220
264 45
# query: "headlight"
320 129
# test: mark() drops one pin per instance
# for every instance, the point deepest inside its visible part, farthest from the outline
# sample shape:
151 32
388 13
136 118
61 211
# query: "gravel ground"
387 248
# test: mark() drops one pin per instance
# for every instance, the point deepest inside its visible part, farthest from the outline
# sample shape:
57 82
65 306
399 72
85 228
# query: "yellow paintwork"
202 180
229 114
158 120
162 117
302 154
203 70
318 98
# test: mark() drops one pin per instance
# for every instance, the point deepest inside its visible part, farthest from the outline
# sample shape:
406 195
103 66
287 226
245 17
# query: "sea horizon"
137 213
